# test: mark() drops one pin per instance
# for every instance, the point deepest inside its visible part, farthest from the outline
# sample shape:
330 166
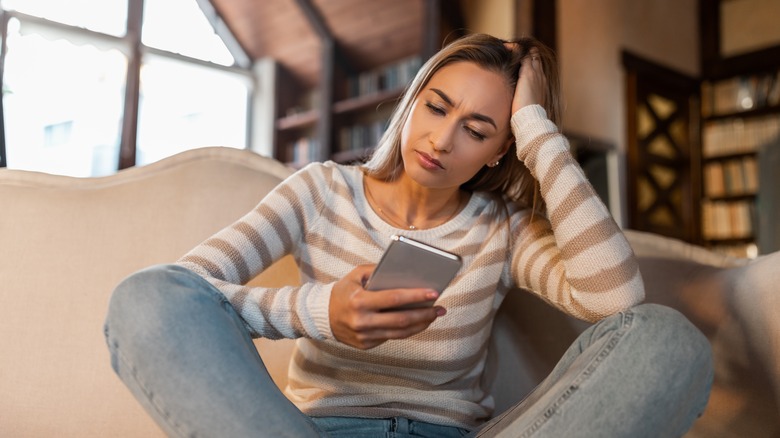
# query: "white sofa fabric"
66 242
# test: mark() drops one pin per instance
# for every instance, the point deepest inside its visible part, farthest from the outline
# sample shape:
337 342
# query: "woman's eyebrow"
475 116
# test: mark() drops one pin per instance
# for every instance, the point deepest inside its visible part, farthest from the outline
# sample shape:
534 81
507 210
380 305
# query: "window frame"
131 45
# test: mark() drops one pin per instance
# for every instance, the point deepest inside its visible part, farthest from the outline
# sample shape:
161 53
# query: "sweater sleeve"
576 258
238 253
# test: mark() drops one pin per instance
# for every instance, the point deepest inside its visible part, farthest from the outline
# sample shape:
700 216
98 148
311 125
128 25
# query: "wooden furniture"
340 112
740 117
342 125
694 144
662 166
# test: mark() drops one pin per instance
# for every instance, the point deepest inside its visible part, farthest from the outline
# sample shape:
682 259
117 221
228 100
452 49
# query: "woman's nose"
442 139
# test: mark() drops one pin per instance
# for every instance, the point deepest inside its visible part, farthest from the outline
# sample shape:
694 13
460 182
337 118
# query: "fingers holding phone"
365 319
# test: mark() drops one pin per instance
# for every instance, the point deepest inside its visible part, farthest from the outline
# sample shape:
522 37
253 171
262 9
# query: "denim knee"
669 326
148 295
672 341
143 290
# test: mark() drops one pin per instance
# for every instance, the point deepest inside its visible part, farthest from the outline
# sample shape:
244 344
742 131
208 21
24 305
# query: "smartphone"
409 263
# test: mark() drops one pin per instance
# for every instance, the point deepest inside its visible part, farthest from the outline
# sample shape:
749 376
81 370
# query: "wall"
749 25
591 36
495 17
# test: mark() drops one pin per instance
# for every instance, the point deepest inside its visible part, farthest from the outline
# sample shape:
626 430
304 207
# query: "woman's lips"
429 162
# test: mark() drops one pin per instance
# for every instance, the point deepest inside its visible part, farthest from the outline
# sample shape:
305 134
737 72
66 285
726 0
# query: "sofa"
66 242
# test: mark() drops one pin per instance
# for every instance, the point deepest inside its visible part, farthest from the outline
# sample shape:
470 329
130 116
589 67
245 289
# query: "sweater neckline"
456 222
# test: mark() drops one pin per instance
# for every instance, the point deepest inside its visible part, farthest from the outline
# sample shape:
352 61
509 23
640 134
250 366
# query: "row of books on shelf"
360 136
740 93
738 176
303 150
732 136
307 101
722 220
742 250
389 77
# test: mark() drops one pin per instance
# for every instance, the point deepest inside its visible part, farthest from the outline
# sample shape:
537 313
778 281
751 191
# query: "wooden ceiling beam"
223 31
315 19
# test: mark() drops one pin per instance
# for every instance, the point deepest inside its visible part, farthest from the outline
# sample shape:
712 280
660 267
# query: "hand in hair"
532 83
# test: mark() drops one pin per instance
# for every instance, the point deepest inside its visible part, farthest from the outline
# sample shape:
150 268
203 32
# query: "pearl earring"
494 164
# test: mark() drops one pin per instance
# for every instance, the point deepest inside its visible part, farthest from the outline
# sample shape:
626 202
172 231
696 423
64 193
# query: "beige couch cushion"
65 243
735 303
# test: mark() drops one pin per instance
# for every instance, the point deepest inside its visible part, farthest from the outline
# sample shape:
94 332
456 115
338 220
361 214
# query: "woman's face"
459 122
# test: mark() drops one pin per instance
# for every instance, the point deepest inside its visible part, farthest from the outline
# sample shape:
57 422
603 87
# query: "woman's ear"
504 149
496 158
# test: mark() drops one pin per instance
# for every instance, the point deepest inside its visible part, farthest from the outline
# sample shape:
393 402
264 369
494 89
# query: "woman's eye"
434 109
476 134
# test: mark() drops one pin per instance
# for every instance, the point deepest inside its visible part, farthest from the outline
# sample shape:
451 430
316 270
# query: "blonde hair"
510 177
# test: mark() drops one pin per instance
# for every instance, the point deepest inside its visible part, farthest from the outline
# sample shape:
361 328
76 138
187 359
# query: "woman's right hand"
362 319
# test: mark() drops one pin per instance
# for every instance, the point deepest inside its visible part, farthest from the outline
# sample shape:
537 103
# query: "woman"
472 164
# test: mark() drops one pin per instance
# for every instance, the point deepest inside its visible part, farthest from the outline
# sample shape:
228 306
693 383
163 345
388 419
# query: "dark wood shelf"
731 240
747 114
361 103
306 119
732 197
731 156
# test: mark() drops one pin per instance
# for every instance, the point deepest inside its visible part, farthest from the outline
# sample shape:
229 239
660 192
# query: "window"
57 134
196 39
105 16
63 106
184 106
65 80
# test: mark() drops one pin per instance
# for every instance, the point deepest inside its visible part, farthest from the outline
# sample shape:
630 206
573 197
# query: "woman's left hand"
531 84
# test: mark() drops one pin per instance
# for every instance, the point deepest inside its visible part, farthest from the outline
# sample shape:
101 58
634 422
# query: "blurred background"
671 106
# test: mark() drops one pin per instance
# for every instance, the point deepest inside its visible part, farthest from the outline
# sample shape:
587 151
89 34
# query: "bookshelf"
361 108
340 108
298 112
740 117
365 104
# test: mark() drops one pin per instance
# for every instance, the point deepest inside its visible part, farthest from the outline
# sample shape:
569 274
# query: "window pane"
107 16
192 34
185 106
63 105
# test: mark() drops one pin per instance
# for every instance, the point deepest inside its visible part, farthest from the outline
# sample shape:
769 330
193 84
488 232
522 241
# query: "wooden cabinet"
662 155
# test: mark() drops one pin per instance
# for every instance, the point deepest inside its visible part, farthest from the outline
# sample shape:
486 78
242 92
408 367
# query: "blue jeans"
185 354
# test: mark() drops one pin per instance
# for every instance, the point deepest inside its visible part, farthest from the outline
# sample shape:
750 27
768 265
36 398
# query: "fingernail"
432 295
441 311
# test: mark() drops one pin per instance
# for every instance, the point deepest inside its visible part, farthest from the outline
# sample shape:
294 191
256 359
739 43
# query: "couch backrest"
65 243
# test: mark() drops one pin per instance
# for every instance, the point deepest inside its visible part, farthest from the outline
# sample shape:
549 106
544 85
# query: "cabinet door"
663 170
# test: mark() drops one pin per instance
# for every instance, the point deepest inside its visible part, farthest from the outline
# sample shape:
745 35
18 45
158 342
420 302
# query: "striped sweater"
576 259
